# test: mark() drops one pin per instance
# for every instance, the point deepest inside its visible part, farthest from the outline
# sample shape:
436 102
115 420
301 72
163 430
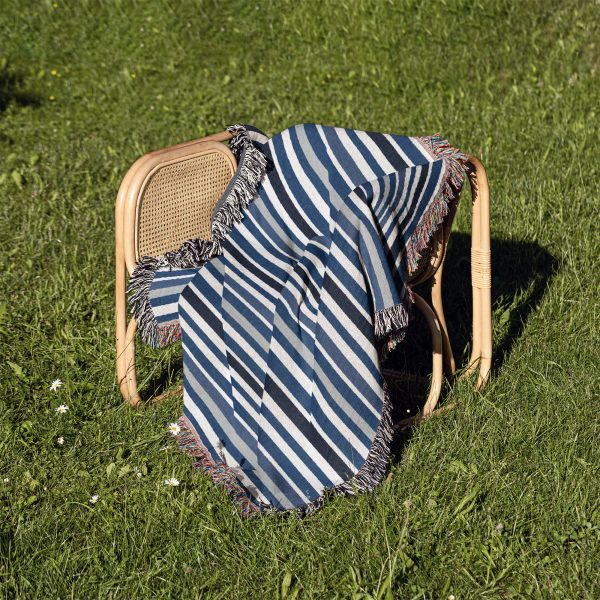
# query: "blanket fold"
288 312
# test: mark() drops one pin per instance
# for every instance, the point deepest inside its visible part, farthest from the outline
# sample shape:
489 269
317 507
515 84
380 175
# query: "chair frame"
126 236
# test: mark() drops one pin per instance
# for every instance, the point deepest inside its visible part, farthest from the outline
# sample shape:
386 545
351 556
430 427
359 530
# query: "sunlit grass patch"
497 498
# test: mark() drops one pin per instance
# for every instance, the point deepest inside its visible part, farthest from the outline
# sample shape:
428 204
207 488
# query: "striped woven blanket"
288 312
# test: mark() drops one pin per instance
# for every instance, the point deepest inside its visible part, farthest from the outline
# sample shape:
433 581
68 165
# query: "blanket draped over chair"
287 313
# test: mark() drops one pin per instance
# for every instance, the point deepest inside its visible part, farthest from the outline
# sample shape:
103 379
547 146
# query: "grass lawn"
498 498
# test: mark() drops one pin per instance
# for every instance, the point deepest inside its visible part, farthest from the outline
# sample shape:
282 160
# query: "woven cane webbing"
177 203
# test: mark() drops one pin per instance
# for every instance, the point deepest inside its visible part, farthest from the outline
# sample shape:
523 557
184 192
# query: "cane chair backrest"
177 201
168 197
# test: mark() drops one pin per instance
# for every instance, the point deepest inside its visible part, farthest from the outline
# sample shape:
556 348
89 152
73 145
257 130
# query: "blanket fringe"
390 319
366 479
373 469
220 473
138 292
252 165
440 149
390 324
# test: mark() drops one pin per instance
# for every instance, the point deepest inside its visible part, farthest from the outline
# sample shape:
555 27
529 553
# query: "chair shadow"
520 275
12 89
165 382
521 272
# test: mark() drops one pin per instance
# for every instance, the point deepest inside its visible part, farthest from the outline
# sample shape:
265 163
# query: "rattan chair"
168 196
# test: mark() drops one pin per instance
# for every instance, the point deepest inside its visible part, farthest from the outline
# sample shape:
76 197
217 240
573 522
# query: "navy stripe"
382 142
307 429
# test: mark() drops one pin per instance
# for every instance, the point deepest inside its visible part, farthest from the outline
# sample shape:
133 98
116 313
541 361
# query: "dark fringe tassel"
138 292
252 165
390 325
390 319
220 473
438 148
389 344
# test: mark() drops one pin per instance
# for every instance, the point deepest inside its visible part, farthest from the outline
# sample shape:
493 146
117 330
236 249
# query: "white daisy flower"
60 440
62 409
137 471
174 428
6 480
94 499
172 482
57 383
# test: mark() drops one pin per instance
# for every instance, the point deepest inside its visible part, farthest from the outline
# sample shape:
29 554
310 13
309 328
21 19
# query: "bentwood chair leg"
476 317
126 376
438 307
125 334
121 366
481 267
436 342
481 354
134 397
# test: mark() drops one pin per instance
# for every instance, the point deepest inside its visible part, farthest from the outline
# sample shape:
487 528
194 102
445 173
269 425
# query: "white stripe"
356 155
262 450
290 222
203 348
256 243
375 151
337 339
399 149
166 309
419 146
263 292
302 379
274 205
333 159
242 300
173 275
303 179
341 427
284 420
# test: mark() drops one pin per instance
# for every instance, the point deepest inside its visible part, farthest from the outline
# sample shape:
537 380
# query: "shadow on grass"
12 90
166 381
520 275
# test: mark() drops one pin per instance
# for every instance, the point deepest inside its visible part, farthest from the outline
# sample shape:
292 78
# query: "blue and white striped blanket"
288 312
